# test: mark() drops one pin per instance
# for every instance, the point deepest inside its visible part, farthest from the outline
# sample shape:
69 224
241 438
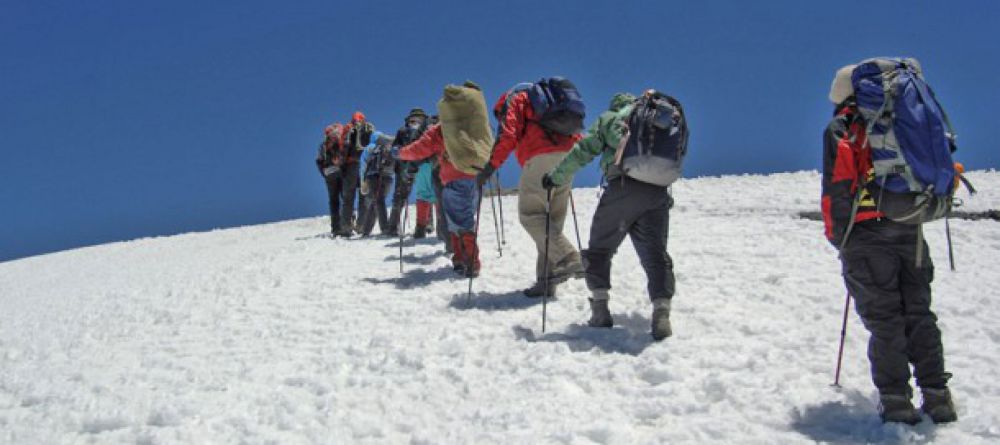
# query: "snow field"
269 334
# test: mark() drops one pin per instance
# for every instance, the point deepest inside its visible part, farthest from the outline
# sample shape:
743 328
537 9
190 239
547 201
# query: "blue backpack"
655 140
911 141
557 104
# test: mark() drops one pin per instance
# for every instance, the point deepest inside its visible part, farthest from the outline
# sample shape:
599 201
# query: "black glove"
484 174
547 183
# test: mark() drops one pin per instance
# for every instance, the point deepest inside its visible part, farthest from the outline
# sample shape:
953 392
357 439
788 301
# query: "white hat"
841 87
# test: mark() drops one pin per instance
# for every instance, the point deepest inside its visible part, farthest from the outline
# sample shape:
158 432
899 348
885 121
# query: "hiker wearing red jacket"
887 273
459 196
538 150
328 161
354 137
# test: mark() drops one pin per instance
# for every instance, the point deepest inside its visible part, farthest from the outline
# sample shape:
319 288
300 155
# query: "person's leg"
399 198
923 337
460 201
423 218
615 213
383 219
648 236
366 210
348 195
531 206
666 228
333 184
442 224
871 273
924 347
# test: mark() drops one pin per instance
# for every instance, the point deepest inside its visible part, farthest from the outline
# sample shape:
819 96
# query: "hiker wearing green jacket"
627 207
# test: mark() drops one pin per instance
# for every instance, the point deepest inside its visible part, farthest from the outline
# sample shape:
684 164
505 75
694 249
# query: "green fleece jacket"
602 139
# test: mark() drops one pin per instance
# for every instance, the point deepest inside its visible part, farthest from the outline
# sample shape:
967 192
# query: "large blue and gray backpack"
911 141
557 104
655 140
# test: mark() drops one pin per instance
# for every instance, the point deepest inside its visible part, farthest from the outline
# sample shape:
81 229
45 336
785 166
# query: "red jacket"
846 157
520 130
432 143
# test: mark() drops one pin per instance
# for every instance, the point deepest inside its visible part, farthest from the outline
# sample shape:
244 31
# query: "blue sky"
124 119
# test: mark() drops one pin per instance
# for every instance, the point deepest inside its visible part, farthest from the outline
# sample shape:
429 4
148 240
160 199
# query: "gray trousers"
641 211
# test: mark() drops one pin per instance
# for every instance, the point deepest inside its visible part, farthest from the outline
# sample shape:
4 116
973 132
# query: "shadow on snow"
484 301
415 278
410 258
408 242
855 421
629 336
324 235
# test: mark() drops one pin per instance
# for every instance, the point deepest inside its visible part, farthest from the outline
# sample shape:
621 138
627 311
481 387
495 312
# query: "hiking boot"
600 316
660 325
897 408
938 405
391 231
538 290
420 232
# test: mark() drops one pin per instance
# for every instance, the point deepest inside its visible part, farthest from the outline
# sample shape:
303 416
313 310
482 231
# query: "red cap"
358 116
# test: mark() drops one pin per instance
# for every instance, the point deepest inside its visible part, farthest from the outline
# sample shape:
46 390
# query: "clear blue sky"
124 119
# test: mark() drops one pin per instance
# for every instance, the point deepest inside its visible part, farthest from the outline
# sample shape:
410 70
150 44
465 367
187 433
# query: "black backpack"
655 140
558 106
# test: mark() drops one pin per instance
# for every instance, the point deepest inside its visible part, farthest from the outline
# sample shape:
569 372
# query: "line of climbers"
887 169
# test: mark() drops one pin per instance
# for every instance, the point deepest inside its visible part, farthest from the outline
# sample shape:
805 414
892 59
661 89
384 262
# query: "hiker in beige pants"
538 149
531 212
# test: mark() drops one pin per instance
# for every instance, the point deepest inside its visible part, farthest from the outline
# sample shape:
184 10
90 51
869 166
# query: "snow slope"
269 334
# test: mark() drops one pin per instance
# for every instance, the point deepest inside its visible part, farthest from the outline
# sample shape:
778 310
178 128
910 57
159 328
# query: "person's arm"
365 134
367 155
839 176
511 129
321 157
586 149
429 144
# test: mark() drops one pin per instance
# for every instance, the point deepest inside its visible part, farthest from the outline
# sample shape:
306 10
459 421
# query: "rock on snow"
269 334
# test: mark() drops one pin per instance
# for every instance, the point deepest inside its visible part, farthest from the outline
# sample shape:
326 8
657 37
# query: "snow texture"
272 334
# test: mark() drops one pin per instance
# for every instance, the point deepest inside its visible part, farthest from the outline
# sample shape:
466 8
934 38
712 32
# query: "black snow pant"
373 206
348 194
400 196
893 297
333 186
641 211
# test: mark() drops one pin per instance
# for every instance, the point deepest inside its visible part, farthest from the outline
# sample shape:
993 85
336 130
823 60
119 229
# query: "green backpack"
465 126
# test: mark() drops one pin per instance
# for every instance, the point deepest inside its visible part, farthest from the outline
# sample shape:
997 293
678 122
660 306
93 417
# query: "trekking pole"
470 262
496 224
843 335
545 258
947 234
572 205
503 232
